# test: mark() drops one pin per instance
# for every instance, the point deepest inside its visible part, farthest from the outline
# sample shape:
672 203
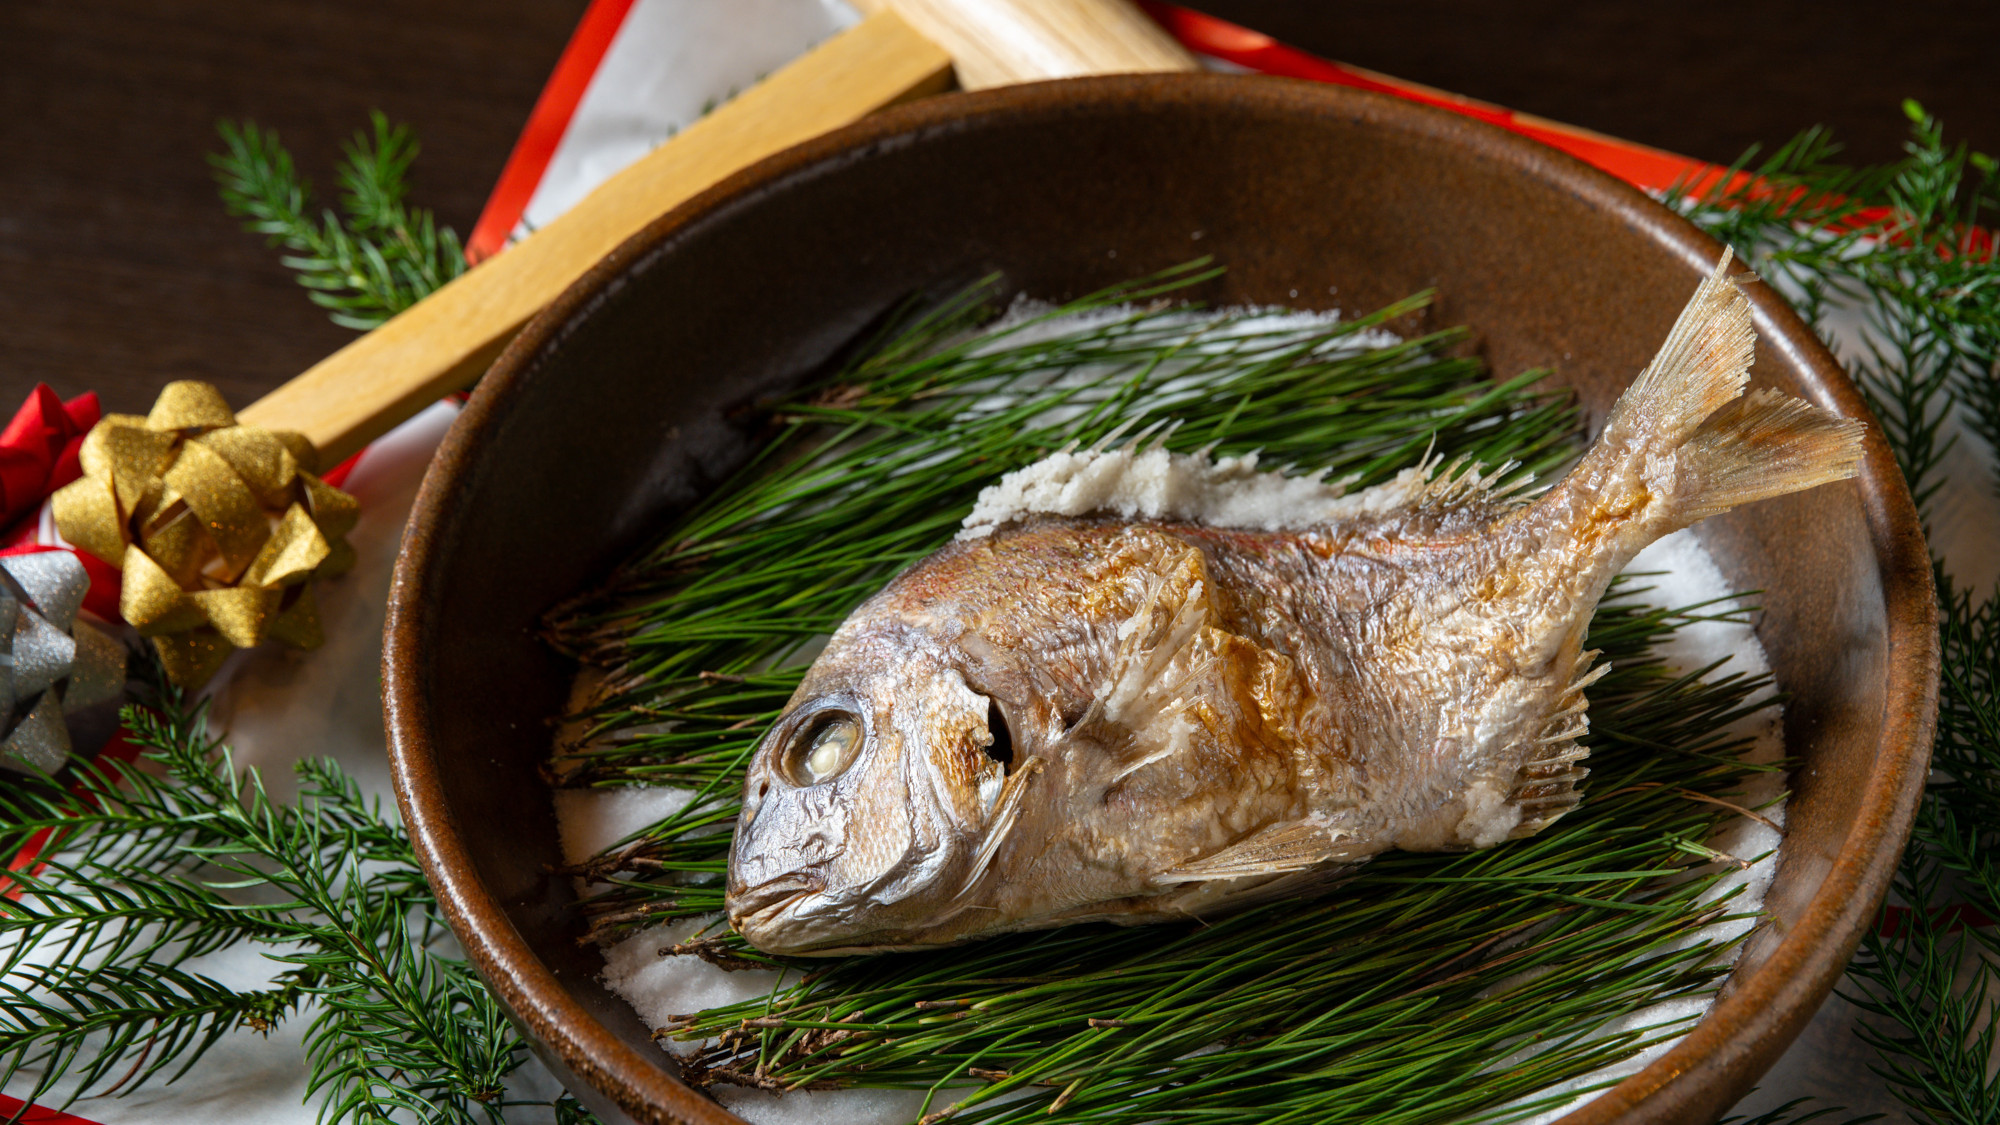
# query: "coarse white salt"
593 820
662 988
1155 484
817 1107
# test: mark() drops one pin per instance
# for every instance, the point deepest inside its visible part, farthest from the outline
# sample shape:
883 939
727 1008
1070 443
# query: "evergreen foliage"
182 855
1911 245
374 258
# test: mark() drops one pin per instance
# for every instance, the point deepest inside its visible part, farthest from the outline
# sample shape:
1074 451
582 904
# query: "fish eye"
823 750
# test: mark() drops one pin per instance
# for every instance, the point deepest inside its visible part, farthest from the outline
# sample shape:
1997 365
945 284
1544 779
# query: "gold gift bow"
219 528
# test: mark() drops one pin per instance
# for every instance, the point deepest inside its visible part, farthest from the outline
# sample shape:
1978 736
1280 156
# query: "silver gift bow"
51 665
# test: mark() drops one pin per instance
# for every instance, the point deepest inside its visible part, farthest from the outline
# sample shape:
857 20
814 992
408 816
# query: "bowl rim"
1726 1051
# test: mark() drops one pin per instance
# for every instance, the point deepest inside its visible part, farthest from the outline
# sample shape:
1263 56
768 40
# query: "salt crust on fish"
1137 483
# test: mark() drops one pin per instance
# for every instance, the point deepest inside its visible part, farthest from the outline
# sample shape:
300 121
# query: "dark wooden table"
120 272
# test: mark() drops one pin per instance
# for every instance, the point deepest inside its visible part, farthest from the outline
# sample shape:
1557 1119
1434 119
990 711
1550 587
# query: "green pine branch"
373 259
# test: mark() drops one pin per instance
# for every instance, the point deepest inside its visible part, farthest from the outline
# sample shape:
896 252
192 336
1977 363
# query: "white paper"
672 61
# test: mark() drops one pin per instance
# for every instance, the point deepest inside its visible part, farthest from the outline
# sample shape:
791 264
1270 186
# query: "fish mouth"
766 901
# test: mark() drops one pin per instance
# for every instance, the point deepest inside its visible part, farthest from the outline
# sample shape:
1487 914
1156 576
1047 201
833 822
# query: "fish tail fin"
1762 445
1684 442
1704 363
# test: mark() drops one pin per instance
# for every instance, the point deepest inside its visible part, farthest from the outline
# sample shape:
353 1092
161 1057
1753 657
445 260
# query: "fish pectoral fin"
1281 849
1006 814
1158 650
1140 711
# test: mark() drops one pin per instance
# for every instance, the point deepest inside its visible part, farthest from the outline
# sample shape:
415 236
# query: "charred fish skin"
1139 718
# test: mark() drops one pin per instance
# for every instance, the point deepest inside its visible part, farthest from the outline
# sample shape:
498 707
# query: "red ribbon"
38 449
38 454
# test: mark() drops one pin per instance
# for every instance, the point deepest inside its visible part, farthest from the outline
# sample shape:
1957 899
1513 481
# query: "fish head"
868 803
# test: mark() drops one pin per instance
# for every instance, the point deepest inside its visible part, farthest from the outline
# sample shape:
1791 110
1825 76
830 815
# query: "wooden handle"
996 42
442 343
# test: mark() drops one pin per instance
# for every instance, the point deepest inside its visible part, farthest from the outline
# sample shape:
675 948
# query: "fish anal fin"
1546 786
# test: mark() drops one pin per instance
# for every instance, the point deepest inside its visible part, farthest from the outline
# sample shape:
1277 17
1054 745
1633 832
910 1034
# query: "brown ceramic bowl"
611 411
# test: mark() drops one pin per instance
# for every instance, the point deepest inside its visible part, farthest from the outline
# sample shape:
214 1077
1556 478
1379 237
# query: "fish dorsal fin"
1546 786
1461 482
1282 849
1435 496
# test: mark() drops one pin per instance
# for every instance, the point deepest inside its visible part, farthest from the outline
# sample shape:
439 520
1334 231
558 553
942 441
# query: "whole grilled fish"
1194 686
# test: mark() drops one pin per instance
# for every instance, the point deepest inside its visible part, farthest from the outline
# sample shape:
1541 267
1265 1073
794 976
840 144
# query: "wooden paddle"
903 49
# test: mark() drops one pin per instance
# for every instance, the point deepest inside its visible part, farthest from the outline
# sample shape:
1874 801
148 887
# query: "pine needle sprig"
1910 245
373 259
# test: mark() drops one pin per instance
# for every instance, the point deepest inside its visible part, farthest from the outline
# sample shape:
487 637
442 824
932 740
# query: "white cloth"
670 62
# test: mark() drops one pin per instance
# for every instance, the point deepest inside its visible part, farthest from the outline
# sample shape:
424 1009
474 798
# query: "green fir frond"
375 258
1911 243
187 855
